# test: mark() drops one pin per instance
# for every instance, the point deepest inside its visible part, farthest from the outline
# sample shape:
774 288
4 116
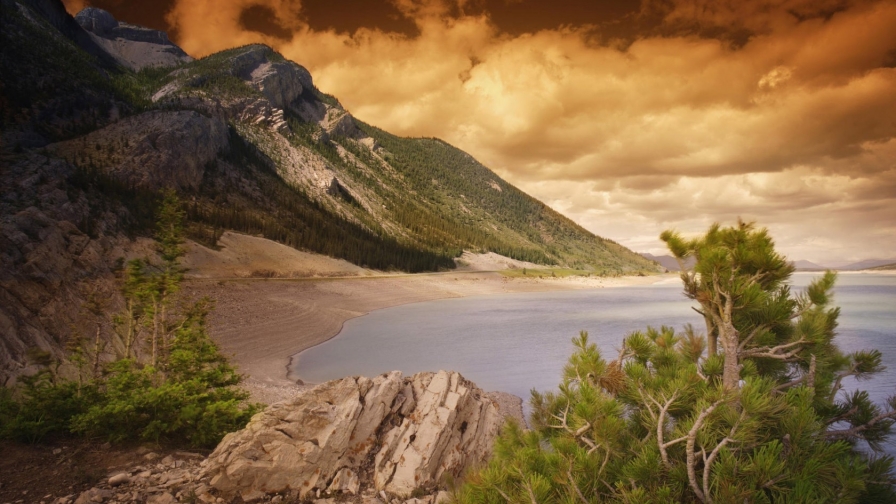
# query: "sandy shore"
261 323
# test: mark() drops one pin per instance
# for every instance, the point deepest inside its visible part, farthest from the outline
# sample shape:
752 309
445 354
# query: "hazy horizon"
629 118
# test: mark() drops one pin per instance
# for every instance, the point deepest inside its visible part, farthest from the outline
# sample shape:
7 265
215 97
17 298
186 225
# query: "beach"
272 302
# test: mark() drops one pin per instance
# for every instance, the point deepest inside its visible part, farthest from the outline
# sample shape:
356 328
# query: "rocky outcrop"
54 252
133 46
155 149
359 435
281 82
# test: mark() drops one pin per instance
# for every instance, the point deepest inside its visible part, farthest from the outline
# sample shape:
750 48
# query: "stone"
189 455
252 495
93 495
452 426
206 497
119 479
162 498
414 432
345 480
443 497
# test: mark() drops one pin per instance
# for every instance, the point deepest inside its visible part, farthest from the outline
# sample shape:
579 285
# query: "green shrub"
43 408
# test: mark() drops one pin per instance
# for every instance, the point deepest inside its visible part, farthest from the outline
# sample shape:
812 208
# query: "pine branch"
774 352
660 428
707 462
691 458
858 429
575 486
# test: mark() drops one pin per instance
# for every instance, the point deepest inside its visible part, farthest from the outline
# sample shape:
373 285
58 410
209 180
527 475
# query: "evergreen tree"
666 421
187 391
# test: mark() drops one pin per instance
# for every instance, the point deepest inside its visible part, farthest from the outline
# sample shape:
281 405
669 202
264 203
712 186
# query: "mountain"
868 264
804 265
668 262
101 116
884 267
132 46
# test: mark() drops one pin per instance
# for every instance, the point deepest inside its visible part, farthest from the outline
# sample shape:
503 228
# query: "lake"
517 342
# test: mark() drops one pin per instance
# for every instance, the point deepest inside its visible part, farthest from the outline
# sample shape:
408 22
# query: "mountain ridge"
251 145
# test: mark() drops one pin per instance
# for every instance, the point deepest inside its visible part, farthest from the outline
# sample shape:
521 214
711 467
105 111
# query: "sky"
630 117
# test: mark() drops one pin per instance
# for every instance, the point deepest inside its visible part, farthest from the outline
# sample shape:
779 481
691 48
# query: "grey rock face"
398 433
155 149
96 21
133 46
279 82
55 251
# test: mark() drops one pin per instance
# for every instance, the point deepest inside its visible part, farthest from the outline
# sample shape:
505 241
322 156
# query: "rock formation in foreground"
389 435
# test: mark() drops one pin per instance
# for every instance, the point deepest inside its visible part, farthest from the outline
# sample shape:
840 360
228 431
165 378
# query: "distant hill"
667 261
804 265
885 267
868 264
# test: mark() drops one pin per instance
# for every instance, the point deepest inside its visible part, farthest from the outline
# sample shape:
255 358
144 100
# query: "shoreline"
262 323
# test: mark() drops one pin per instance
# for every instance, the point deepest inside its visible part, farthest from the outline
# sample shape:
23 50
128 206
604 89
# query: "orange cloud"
75 6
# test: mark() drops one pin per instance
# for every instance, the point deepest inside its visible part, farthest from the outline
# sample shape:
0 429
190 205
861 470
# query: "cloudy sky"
629 117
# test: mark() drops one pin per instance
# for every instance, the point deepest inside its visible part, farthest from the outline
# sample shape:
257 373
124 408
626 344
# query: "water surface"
517 342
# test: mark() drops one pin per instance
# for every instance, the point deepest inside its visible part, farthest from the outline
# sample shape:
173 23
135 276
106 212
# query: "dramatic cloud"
678 114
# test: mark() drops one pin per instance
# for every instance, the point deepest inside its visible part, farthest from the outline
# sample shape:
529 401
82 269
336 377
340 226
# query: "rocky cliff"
388 439
132 46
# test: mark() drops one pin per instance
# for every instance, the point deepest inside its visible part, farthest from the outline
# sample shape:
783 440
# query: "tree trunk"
129 337
155 331
731 373
712 338
96 354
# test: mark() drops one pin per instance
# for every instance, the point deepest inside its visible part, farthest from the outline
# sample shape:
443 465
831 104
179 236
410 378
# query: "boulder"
392 432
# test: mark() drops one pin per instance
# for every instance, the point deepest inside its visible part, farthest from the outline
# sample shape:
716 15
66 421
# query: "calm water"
517 342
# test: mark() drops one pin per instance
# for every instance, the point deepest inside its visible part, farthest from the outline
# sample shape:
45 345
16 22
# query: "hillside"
101 116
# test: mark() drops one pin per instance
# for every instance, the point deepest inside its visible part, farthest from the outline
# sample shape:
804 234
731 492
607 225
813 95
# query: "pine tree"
672 418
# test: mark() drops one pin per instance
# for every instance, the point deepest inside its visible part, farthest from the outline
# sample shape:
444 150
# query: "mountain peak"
132 46
96 21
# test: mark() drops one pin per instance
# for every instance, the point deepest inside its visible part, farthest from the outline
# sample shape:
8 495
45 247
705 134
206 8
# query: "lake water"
517 342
